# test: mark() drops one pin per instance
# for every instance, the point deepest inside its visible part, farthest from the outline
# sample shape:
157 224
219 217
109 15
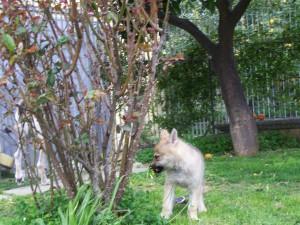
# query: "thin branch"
74 16
239 10
192 29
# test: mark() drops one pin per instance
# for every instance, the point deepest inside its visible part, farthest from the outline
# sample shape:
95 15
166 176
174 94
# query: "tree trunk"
243 128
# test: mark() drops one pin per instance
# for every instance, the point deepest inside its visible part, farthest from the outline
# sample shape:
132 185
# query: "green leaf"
112 17
62 40
9 42
12 59
85 138
20 30
32 85
35 29
50 78
39 221
44 98
90 94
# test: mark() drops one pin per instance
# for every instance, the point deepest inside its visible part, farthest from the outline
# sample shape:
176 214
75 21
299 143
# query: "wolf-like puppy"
184 166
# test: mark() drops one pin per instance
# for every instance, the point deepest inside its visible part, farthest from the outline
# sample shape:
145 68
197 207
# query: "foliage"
72 77
140 206
188 90
144 155
256 190
277 140
23 210
268 140
9 183
268 57
148 136
221 143
84 210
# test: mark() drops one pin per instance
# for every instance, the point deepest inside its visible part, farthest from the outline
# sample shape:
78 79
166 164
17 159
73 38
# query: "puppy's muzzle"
155 168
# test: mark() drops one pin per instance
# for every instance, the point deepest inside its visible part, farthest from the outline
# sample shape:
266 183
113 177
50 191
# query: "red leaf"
32 49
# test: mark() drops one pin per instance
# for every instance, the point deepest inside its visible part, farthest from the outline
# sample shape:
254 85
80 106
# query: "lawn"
260 190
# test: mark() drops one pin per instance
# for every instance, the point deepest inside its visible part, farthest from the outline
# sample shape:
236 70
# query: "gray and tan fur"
184 166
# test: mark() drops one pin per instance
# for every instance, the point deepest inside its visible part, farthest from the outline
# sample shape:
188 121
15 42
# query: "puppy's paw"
193 216
165 214
202 209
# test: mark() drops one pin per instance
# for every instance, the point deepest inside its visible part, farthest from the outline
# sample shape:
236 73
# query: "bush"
148 137
273 140
26 212
85 209
140 206
144 155
220 143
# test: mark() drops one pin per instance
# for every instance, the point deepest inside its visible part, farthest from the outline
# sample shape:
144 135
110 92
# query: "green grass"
7 181
261 190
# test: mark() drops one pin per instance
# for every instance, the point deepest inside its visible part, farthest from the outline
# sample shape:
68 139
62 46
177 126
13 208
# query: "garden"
98 97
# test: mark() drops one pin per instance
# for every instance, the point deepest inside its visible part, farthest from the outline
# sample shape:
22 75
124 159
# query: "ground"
260 190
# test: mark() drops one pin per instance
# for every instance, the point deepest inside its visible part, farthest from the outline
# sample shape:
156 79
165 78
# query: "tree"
86 73
242 124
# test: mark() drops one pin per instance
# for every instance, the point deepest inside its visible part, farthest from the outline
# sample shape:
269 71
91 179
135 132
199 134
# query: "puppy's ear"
173 137
164 134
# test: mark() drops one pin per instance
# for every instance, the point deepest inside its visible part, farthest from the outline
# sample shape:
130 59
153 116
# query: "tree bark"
243 128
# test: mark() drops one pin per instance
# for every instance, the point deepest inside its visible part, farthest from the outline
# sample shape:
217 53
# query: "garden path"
22 191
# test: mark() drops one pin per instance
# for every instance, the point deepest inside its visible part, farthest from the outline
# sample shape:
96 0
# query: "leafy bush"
212 143
26 213
268 140
220 143
84 210
273 140
148 137
140 206
145 155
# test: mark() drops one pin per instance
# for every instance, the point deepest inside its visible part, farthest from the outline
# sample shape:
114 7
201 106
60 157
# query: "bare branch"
192 29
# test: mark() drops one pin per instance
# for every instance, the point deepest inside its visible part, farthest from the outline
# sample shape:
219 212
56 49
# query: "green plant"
220 143
144 155
148 137
260 190
25 212
273 140
86 209
140 206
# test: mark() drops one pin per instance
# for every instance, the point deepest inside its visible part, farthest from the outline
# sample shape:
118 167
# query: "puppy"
184 166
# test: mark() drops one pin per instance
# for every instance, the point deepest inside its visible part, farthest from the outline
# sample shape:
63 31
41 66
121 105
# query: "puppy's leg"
194 203
201 205
168 202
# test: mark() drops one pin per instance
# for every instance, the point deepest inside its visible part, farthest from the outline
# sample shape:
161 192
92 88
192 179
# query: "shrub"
140 206
145 155
212 143
272 140
220 143
26 212
84 209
